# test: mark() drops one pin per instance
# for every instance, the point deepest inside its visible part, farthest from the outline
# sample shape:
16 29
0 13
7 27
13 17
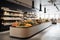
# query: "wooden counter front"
28 32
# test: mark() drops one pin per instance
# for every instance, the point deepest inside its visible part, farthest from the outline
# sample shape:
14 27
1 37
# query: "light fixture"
44 9
40 6
56 6
32 3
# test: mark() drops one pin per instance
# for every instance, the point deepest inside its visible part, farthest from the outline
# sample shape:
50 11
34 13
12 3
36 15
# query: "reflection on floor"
52 33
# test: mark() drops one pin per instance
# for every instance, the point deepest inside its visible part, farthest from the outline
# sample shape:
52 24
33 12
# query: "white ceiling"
44 3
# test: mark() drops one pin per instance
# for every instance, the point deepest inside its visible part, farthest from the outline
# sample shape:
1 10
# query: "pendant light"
32 3
56 6
40 6
44 9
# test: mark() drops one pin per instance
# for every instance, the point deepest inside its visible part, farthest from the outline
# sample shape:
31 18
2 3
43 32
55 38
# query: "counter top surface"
32 26
50 33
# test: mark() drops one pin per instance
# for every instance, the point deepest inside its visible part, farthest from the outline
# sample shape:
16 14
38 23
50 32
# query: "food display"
13 17
28 23
27 28
25 23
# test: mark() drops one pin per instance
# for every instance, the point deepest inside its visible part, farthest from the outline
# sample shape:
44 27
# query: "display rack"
28 32
9 16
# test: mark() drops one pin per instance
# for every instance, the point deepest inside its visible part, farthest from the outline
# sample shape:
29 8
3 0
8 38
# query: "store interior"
29 19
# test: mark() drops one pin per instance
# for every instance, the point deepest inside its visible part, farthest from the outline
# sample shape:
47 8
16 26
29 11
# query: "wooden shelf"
12 16
9 18
8 10
6 23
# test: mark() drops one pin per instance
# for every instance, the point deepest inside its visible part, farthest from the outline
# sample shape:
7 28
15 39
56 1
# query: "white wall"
51 10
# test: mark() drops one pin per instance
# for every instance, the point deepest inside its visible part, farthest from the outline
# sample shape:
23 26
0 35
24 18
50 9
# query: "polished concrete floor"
51 33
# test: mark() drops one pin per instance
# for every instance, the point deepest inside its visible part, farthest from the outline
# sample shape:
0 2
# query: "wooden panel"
26 3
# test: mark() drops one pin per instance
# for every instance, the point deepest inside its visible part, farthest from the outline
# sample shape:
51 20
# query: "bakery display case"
9 16
28 28
23 24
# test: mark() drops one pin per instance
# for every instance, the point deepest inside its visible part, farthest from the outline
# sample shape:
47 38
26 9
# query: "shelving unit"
10 16
30 15
7 17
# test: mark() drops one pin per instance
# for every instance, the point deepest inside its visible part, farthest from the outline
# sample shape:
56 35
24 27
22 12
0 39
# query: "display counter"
20 32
